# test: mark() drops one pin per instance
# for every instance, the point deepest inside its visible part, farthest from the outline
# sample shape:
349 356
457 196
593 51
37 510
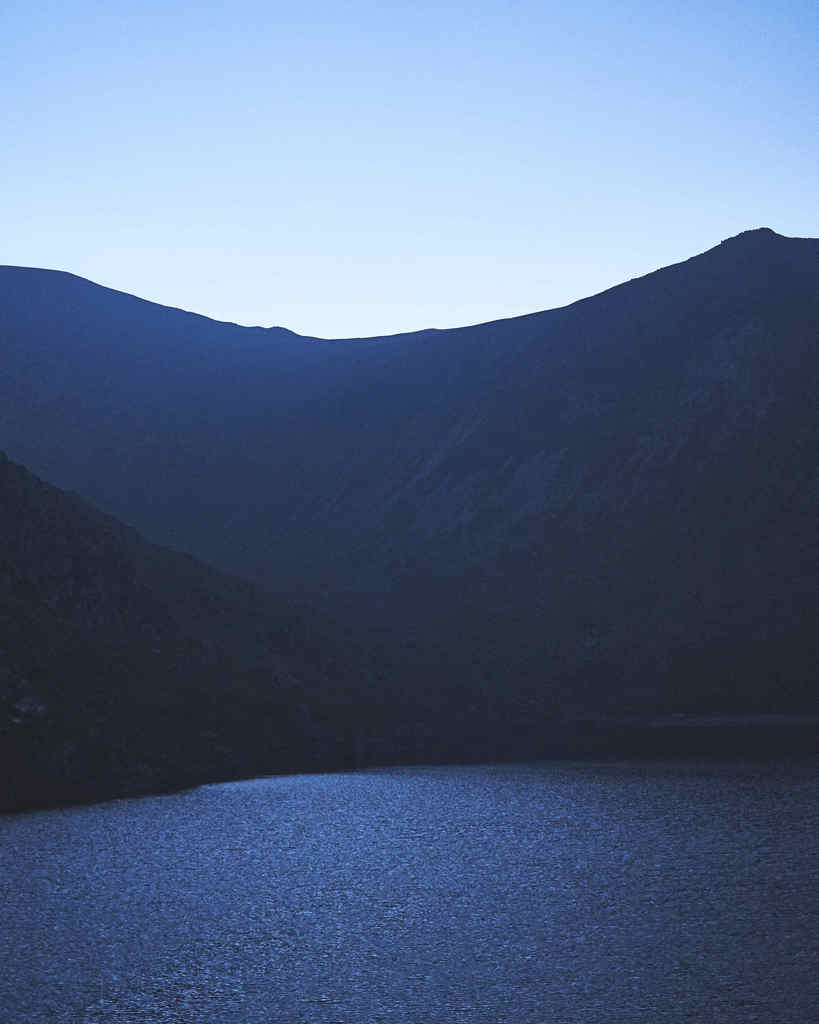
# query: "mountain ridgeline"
603 510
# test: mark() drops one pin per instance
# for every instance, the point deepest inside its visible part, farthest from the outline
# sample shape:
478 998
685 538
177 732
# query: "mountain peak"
759 234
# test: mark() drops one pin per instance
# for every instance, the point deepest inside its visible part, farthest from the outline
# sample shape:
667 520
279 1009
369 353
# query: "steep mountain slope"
605 507
126 668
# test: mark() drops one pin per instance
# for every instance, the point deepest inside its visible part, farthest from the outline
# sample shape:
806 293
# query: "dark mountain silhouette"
607 509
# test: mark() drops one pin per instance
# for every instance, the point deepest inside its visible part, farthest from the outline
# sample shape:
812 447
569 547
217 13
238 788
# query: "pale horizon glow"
353 170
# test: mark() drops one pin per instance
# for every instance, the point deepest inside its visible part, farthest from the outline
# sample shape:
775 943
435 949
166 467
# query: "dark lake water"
548 893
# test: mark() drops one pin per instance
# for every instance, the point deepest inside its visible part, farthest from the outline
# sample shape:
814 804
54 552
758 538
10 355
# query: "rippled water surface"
521 893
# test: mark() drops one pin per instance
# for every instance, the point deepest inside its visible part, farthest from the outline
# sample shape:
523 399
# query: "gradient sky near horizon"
358 168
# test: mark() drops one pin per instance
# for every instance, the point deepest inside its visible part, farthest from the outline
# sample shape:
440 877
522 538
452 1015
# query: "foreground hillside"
126 668
602 510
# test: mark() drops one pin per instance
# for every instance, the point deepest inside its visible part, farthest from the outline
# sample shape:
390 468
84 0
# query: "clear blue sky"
357 168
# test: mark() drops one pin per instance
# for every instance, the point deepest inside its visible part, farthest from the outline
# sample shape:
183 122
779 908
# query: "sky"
357 168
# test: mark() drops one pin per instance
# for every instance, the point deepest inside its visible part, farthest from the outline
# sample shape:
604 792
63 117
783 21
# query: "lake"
529 894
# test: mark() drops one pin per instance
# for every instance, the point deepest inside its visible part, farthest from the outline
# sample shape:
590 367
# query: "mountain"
126 668
607 509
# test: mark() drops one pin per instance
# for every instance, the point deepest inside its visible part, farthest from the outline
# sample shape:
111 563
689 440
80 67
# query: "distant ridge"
761 235
61 286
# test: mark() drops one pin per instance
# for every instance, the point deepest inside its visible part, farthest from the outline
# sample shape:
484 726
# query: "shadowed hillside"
605 509
127 668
